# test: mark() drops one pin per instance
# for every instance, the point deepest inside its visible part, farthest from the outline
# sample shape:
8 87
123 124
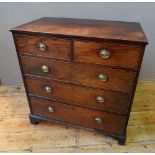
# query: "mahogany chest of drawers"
81 72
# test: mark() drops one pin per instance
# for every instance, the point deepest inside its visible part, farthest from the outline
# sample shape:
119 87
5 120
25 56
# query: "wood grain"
120 55
80 96
87 75
15 130
56 48
109 30
111 122
126 43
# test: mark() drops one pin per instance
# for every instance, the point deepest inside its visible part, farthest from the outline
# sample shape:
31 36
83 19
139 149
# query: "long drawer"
89 75
108 54
110 101
43 46
77 115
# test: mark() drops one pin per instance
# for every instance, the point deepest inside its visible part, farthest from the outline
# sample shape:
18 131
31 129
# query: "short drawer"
89 75
107 54
78 116
43 46
110 101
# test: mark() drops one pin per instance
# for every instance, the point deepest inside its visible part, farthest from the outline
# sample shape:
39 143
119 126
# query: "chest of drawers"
81 72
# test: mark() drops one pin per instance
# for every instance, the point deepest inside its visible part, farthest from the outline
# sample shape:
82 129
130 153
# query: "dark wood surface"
80 96
77 115
109 30
56 48
87 75
72 56
134 88
120 54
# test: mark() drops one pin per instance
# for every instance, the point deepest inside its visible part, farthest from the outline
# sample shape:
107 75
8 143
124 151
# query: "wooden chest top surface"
108 30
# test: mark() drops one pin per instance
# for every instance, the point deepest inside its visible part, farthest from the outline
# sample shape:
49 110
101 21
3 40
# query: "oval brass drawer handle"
104 54
102 77
100 99
50 109
42 46
48 89
45 69
98 120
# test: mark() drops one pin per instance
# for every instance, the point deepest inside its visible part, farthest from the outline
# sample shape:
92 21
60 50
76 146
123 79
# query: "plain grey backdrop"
13 14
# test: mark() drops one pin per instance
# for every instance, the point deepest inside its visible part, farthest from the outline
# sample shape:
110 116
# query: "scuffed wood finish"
56 48
127 56
18 135
77 115
87 75
81 96
96 29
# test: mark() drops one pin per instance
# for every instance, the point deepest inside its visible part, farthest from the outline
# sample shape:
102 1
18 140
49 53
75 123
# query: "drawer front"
107 54
79 116
89 75
77 95
43 46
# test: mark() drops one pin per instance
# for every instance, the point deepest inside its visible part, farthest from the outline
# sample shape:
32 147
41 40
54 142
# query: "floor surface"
18 135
